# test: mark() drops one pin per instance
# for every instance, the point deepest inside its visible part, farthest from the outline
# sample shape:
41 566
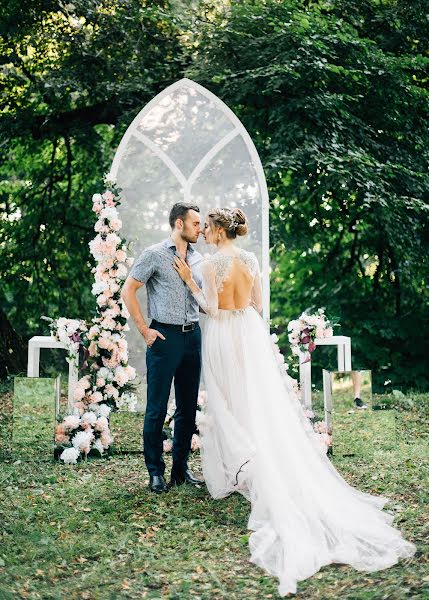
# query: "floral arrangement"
106 384
303 332
70 332
168 430
320 427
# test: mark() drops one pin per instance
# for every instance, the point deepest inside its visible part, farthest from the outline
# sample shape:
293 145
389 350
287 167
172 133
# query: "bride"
256 439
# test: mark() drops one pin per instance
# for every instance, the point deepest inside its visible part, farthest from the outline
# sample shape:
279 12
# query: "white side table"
343 344
46 341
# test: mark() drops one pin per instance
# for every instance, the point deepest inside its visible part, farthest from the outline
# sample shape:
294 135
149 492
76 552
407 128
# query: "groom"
173 341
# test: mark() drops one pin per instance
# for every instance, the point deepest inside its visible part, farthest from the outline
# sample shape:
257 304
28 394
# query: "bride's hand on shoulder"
183 269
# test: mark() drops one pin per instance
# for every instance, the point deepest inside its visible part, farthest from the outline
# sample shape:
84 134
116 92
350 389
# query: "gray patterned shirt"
169 298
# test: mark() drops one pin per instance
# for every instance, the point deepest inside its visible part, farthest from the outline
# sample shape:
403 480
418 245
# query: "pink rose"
60 428
71 422
99 227
96 397
93 332
116 310
202 398
61 438
106 439
102 424
320 427
167 445
108 195
130 371
79 393
320 331
80 406
104 343
84 382
102 299
195 443
110 390
115 224
112 362
92 349
108 323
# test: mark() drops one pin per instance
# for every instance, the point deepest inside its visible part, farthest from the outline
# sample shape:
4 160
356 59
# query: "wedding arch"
188 145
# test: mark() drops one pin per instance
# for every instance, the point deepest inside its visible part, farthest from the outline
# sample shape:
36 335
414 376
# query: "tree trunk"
13 350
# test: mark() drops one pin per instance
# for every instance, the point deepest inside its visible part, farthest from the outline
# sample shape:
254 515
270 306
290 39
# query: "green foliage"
339 115
73 76
335 97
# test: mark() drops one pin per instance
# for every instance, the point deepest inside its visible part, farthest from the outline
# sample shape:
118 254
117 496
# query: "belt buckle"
184 330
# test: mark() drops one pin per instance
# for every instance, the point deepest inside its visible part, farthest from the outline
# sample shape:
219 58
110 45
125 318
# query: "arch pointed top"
186 144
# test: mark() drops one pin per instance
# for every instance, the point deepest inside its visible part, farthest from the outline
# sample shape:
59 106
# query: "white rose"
98 287
70 456
104 410
109 213
89 417
98 445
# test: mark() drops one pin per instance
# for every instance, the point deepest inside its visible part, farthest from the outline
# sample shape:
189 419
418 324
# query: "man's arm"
129 296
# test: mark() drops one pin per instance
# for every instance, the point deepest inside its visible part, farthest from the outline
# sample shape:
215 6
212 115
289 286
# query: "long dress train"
256 440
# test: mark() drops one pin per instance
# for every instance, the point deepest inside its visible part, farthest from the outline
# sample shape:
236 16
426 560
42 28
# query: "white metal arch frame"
187 182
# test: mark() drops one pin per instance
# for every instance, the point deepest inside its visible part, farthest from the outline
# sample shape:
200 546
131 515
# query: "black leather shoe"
180 477
359 403
158 484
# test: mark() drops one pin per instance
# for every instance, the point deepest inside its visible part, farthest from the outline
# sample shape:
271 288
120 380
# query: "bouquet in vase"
304 331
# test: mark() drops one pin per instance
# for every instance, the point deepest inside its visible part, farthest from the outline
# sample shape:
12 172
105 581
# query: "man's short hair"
180 210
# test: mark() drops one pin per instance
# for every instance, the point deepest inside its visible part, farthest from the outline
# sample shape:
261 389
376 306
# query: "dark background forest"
334 95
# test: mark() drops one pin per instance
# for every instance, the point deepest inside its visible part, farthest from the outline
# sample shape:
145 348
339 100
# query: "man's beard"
186 237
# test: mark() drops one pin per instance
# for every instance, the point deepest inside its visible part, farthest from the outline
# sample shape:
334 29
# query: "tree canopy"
335 97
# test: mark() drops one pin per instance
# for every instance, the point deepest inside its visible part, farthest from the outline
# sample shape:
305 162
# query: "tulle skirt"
257 441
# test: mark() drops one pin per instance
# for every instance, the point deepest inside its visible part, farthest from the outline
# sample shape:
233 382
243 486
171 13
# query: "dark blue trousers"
178 357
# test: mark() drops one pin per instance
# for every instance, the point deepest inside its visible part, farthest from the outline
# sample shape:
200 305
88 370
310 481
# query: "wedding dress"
256 440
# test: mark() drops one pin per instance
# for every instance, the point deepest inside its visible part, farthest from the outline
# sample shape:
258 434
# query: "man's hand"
150 336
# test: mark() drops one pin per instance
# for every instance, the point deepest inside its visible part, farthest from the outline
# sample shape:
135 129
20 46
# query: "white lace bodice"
222 264
216 271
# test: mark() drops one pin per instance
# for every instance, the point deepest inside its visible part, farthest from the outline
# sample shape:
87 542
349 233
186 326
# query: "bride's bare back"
236 289
231 281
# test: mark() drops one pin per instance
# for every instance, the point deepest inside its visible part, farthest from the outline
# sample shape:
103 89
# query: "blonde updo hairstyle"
233 221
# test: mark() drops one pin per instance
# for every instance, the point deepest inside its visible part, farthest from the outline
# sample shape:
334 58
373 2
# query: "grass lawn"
93 531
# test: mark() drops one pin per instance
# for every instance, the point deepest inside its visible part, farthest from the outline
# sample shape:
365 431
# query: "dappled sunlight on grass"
94 530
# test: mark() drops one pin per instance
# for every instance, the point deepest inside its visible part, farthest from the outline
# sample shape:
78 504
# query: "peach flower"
106 439
96 397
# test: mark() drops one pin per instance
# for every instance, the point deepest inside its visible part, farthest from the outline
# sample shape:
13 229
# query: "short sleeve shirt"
169 298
